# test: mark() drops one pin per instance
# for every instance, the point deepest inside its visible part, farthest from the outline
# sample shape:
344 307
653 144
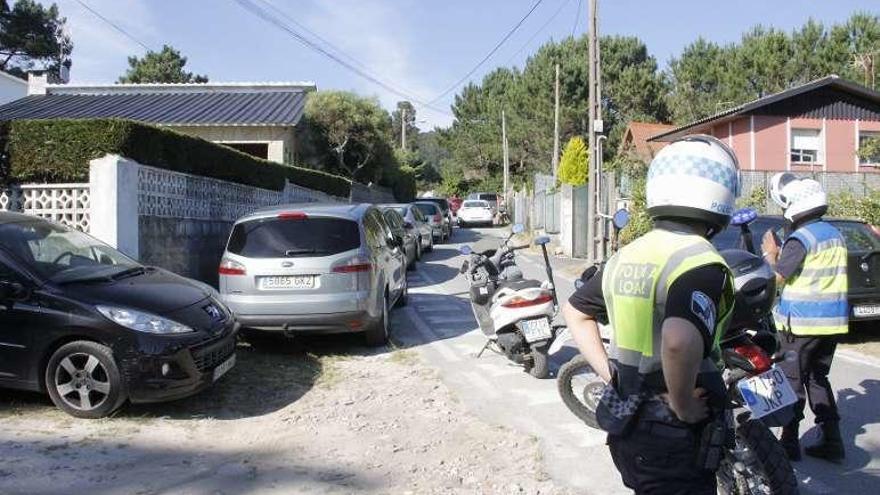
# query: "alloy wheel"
82 382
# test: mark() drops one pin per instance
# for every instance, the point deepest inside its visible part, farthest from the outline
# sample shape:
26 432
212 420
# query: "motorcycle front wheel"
757 465
578 383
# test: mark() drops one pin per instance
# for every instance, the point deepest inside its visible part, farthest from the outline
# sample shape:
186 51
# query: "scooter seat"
520 284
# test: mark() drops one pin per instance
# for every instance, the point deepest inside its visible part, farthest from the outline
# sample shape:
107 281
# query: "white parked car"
475 212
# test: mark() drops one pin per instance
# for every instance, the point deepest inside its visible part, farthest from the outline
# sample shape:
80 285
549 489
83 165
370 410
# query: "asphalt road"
438 321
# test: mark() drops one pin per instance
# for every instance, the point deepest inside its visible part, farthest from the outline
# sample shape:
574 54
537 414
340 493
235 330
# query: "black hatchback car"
93 328
863 265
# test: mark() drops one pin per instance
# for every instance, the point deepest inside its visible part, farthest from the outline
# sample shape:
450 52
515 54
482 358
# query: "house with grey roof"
257 118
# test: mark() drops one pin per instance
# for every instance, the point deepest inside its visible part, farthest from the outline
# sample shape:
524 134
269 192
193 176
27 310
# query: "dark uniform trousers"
808 374
652 464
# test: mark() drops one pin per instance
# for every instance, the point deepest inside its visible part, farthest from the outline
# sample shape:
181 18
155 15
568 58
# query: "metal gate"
580 196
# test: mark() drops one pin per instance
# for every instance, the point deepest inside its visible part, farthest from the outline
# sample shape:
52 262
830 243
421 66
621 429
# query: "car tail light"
437 218
230 267
759 359
523 302
292 215
354 265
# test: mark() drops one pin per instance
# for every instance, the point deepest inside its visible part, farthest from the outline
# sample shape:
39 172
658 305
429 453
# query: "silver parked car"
310 268
434 215
416 222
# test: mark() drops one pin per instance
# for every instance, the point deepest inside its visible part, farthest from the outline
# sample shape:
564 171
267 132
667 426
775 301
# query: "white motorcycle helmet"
778 184
694 178
800 199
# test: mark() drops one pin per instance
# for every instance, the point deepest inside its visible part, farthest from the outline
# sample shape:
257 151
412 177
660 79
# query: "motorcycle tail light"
522 302
759 359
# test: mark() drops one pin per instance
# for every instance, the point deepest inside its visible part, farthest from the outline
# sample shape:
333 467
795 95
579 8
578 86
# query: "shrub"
757 199
59 150
639 221
866 208
575 162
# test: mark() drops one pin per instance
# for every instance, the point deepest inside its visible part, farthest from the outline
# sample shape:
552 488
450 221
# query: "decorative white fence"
68 204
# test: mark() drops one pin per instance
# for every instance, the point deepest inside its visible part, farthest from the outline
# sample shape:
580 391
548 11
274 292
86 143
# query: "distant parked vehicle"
446 210
435 218
415 221
863 265
475 213
94 328
407 237
310 268
491 198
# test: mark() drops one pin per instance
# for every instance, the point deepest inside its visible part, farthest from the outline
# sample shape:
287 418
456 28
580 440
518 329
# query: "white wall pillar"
113 184
566 219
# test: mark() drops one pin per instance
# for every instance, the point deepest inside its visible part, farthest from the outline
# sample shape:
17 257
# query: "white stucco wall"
280 139
11 88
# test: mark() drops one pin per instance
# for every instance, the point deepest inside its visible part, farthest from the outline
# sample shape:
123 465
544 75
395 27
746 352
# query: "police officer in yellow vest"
668 296
812 308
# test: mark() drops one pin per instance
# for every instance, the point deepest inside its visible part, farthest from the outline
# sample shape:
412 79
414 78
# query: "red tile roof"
636 139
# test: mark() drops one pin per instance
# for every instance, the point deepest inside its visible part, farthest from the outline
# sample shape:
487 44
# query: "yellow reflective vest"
636 284
814 302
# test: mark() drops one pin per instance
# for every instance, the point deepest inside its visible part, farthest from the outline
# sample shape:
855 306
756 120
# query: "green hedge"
59 150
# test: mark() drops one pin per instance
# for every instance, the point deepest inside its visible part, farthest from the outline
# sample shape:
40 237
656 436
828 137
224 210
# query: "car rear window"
282 238
442 203
427 209
401 210
475 204
489 197
859 237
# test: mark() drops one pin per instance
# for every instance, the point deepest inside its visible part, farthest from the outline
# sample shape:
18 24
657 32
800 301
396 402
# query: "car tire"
418 249
84 381
431 243
403 298
377 334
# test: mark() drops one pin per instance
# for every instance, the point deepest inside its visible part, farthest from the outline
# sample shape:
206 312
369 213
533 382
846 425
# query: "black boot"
790 441
830 447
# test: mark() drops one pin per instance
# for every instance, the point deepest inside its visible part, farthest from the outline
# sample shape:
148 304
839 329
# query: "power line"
539 31
577 18
489 55
266 16
114 25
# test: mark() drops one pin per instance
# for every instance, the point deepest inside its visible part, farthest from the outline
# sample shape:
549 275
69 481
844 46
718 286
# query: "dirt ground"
283 421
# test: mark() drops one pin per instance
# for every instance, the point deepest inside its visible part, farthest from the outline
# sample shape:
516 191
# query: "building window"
259 150
806 146
869 148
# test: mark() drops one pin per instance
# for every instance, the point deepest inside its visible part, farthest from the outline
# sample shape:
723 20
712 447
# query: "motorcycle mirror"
540 241
744 216
620 219
465 250
517 228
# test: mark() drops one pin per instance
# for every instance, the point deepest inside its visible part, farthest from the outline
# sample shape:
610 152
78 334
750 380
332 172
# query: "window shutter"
805 139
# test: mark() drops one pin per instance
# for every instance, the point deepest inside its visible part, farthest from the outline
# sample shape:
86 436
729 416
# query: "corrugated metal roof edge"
832 80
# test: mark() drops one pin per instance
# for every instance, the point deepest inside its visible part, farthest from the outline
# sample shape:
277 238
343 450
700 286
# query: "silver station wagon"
311 268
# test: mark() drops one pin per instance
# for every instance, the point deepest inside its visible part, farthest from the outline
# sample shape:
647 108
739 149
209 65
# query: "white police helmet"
806 198
694 178
777 188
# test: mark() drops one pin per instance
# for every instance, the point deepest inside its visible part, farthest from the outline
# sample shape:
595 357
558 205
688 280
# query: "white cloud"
100 52
376 34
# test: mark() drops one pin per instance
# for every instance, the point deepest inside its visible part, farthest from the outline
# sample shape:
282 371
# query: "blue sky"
421 46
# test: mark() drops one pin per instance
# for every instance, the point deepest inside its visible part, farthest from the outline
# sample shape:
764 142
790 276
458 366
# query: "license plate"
766 393
224 367
535 330
864 310
288 282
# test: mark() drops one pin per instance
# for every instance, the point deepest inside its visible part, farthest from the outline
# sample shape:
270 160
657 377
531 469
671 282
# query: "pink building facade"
812 128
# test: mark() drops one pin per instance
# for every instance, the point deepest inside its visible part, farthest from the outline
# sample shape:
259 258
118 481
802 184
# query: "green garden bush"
59 150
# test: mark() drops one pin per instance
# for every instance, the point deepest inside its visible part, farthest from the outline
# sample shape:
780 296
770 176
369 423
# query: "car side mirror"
11 291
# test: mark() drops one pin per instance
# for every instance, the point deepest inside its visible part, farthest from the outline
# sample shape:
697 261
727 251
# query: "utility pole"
403 128
594 127
505 154
555 161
